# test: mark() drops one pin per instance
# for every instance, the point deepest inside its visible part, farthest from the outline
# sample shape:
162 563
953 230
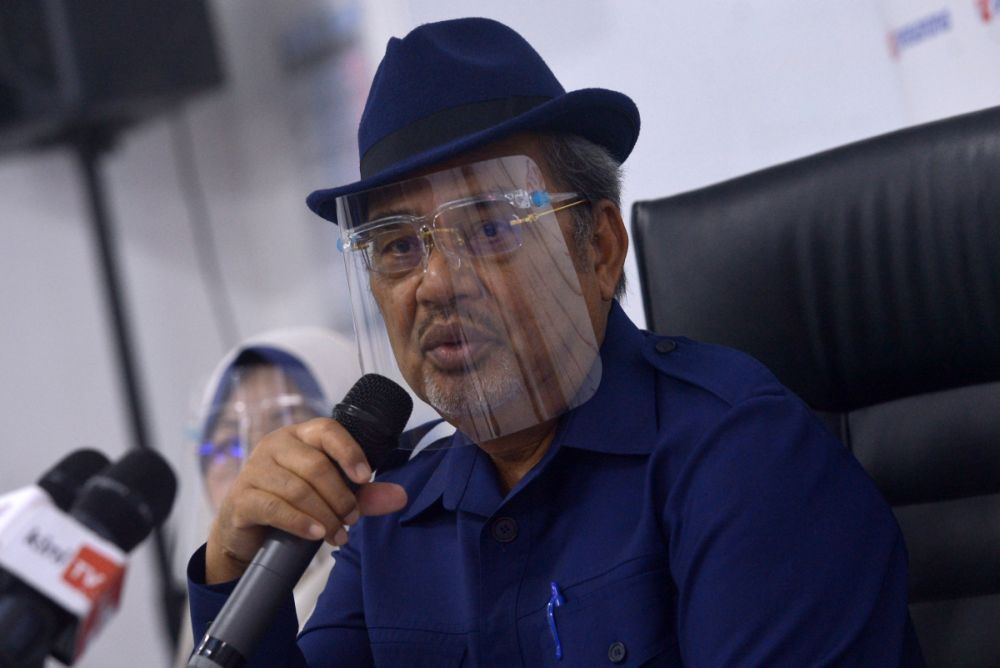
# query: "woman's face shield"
260 399
464 285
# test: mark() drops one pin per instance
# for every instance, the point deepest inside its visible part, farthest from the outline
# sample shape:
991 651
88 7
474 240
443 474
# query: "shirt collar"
616 420
460 481
620 418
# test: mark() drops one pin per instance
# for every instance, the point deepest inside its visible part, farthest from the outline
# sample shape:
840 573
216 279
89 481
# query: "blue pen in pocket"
554 602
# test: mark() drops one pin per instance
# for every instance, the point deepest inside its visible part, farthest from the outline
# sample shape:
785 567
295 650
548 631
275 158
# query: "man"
610 496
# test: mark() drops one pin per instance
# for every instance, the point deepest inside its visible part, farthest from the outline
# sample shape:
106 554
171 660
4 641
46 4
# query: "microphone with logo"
69 567
59 485
374 412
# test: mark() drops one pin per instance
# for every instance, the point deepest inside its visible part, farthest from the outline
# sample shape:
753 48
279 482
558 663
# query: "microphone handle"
29 622
272 573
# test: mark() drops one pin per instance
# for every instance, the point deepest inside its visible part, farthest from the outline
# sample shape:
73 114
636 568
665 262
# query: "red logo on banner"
92 574
99 579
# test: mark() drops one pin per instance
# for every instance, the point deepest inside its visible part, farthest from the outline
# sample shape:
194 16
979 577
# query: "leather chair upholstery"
867 278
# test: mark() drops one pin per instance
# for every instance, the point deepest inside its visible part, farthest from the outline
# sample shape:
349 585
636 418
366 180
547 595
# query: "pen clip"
555 601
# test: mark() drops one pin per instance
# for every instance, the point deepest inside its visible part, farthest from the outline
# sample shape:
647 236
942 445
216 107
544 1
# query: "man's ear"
609 241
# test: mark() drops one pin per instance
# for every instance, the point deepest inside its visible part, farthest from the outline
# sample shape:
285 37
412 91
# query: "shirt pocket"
626 621
402 648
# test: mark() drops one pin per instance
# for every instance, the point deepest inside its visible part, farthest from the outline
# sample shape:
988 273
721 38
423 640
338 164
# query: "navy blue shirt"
692 513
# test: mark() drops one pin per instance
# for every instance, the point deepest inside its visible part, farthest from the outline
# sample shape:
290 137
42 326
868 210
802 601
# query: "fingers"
289 482
338 444
258 504
327 481
306 477
294 491
294 465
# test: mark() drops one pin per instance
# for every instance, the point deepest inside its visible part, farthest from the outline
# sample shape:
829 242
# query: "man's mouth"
453 347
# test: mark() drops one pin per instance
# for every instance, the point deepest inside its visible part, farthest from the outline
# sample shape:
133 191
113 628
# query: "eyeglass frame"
425 232
236 441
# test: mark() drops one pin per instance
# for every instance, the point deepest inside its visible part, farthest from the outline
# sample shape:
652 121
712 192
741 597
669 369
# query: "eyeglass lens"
475 230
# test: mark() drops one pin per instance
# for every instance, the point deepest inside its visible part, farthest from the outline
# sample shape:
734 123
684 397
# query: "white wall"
723 88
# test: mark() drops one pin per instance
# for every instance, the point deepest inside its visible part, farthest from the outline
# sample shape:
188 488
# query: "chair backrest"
867 278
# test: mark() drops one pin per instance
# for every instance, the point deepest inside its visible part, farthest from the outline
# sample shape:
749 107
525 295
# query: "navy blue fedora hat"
451 86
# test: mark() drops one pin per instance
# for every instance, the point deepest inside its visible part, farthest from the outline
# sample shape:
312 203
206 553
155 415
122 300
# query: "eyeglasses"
237 430
483 226
231 448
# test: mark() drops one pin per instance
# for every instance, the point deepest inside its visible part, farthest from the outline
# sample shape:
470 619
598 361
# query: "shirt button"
617 652
504 529
665 346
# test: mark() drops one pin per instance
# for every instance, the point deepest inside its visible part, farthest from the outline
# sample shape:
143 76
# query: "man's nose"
446 278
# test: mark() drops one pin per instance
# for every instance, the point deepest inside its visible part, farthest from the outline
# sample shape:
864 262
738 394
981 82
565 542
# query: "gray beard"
476 391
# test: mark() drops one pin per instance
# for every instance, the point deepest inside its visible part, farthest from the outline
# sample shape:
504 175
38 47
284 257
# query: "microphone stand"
91 143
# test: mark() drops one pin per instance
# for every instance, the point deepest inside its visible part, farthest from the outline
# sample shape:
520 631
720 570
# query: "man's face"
512 332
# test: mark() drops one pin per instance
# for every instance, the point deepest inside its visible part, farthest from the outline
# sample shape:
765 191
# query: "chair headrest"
858 275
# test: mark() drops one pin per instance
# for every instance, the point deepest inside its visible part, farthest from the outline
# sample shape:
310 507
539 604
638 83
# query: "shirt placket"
504 543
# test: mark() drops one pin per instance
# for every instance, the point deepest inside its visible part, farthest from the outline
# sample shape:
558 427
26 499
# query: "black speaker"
67 64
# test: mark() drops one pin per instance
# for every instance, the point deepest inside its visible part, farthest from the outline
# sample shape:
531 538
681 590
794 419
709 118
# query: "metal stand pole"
90 144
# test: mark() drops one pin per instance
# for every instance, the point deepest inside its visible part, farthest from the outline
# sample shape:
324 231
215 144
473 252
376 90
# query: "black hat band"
442 127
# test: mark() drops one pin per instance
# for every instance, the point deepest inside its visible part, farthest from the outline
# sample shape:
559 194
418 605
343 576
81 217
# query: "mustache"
478 319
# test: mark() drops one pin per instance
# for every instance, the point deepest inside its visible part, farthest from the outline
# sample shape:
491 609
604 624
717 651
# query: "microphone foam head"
64 481
127 500
375 411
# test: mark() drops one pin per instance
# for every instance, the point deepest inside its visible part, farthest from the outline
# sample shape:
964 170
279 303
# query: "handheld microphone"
69 568
374 412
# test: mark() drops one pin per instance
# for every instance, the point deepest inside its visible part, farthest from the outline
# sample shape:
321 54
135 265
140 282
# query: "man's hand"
289 483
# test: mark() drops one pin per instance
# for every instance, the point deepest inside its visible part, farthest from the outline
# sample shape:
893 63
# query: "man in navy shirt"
610 497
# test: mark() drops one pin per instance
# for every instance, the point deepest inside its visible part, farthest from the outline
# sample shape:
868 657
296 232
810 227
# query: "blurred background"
203 180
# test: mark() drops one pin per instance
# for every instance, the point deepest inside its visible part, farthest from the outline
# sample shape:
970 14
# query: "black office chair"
867 278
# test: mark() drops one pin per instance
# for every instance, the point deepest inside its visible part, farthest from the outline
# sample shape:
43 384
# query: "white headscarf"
330 358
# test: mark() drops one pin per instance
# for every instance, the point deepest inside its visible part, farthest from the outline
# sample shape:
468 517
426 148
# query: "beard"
514 385
483 385
491 385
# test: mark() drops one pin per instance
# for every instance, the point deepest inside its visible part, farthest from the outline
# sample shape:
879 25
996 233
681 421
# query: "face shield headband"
464 285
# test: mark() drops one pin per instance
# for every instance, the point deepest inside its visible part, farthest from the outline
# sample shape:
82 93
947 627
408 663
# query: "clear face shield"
259 400
464 286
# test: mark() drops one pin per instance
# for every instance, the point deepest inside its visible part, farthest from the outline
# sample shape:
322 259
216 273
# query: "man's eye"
490 231
396 245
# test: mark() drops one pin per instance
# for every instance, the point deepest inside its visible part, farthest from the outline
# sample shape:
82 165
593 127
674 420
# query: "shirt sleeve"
277 649
783 551
336 632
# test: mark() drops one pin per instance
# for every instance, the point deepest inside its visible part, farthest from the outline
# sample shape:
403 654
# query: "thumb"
381 498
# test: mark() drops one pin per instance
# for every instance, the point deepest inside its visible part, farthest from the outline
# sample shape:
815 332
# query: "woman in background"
267 382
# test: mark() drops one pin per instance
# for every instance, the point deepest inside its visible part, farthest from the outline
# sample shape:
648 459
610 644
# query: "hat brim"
605 117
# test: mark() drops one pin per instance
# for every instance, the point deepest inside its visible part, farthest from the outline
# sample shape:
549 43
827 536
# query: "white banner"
947 53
